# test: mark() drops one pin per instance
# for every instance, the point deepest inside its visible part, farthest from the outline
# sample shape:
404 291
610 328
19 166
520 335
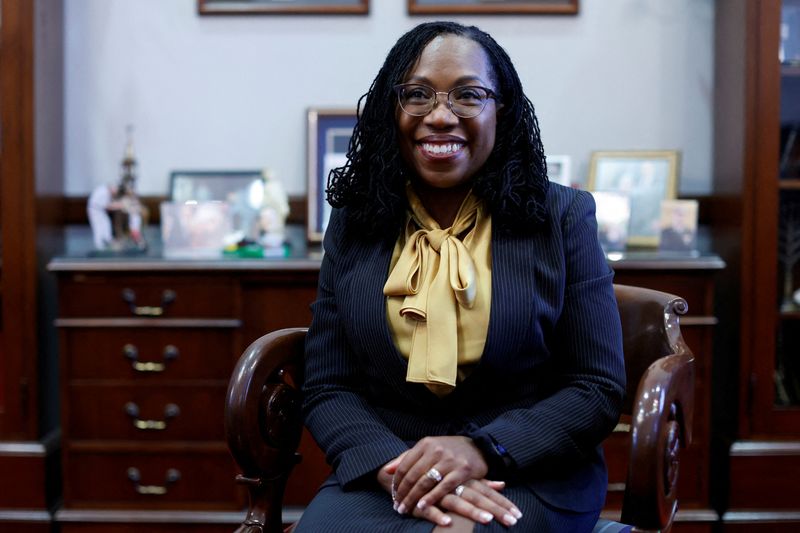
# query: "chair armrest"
661 424
263 421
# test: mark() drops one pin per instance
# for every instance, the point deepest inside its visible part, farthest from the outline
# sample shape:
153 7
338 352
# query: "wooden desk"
147 346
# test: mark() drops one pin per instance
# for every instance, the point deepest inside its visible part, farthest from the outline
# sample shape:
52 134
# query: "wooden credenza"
146 349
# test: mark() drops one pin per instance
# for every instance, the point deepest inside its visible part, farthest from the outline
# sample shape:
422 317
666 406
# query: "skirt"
370 510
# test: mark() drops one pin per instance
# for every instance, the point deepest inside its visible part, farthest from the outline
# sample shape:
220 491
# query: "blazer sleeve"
589 373
355 440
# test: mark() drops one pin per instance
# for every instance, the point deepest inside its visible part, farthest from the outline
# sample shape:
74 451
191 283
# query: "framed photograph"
559 169
242 190
678 225
289 7
646 178
329 132
613 217
496 7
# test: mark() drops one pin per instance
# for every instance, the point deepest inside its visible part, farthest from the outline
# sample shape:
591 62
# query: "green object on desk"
256 251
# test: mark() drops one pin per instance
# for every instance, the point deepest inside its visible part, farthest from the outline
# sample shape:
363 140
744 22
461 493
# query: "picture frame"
243 190
678 226
284 7
493 7
329 132
647 177
559 169
613 212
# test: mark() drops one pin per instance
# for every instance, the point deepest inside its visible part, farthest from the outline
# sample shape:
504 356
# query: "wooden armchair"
263 422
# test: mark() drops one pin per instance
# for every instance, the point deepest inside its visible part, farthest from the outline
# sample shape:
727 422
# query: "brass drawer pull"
170 411
172 476
129 296
130 351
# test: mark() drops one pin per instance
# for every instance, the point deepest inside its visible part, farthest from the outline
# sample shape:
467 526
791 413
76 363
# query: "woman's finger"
433 514
483 495
478 507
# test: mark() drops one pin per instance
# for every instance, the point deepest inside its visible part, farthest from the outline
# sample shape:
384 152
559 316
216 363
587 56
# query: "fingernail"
421 504
516 512
485 517
445 521
394 505
508 519
401 508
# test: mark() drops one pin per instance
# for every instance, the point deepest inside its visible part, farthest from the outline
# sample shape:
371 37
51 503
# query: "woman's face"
444 150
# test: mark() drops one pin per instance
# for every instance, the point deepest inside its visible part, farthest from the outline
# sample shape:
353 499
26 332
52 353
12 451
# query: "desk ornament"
116 215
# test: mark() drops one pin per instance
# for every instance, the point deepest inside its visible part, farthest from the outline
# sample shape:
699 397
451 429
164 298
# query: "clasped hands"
442 474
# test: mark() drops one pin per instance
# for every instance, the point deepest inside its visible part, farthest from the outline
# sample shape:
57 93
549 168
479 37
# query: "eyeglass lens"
465 102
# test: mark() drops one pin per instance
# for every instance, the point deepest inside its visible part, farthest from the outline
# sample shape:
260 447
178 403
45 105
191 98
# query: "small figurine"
116 215
273 212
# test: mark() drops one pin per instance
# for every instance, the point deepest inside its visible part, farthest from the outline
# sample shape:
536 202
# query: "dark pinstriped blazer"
548 387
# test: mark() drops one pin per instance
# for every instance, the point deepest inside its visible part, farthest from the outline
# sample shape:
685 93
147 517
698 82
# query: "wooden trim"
754 517
210 7
147 323
569 7
18 415
761 448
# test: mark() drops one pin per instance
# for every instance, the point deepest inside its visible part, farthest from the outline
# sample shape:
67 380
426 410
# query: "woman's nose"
441 114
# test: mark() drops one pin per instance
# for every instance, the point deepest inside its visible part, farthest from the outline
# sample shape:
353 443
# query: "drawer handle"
172 476
130 351
129 296
170 411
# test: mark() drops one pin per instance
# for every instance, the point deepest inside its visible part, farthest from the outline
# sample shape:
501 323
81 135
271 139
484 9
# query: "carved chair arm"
263 422
661 424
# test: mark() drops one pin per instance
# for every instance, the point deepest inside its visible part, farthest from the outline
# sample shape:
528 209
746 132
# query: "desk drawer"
96 295
175 479
149 354
127 412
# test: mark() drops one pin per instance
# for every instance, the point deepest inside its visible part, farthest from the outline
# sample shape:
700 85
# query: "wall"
232 92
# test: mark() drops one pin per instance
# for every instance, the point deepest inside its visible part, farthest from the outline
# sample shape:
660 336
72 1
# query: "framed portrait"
559 169
289 7
678 225
497 7
329 132
613 217
242 190
646 178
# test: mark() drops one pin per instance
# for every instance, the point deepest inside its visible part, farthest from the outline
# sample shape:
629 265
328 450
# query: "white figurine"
273 212
116 215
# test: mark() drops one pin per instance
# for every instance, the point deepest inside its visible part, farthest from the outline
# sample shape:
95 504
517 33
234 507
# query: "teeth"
441 148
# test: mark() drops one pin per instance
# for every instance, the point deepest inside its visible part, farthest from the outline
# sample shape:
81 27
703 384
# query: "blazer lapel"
513 287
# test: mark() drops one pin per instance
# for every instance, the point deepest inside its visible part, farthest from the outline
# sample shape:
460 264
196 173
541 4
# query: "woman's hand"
453 460
461 490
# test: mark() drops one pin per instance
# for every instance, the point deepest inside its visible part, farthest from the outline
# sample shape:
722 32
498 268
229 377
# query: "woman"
464 361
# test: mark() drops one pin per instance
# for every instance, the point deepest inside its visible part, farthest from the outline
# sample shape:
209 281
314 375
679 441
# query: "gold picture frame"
493 7
282 7
647 177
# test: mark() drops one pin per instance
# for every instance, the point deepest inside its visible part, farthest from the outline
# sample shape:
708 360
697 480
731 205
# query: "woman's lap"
333 510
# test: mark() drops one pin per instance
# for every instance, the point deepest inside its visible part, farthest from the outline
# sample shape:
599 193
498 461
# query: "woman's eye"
468 94
417 94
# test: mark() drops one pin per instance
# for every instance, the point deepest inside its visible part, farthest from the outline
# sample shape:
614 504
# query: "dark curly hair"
371 185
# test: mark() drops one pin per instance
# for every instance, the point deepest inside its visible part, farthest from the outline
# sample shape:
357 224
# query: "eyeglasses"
465 102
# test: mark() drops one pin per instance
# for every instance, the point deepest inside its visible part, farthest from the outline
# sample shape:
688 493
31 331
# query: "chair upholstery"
263 421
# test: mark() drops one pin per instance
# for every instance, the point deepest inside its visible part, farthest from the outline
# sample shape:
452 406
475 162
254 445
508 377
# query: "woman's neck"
442 204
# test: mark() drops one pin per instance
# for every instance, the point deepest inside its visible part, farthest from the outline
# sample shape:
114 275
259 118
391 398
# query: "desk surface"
301 255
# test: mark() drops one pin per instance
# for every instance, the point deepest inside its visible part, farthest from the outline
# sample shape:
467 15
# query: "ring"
459 490
434 475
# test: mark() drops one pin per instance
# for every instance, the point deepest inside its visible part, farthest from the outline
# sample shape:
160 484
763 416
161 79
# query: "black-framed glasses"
467 101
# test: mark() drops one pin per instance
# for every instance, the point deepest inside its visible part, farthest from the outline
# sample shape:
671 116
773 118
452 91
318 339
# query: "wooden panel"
18 406
26 473
765 479
106 353
102 480
185 411
184 296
